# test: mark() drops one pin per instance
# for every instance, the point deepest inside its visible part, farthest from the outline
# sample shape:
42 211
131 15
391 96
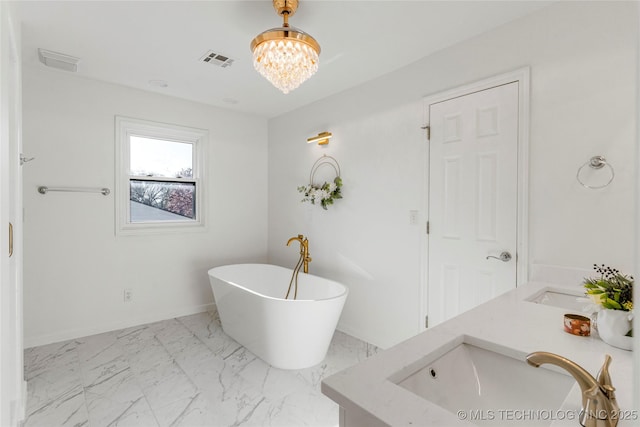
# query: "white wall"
583 65
75 268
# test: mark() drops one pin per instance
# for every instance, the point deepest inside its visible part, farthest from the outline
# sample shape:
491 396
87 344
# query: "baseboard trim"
356 334
70 334
22 407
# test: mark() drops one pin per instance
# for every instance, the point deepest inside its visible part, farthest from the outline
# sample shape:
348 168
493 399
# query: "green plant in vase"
612 290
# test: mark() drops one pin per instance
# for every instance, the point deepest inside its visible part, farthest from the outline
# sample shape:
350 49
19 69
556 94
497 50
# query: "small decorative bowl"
576 324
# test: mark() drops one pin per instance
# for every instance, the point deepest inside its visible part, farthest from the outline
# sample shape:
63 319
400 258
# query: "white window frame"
125 127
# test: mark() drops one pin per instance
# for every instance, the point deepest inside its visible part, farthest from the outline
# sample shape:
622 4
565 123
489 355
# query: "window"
160 173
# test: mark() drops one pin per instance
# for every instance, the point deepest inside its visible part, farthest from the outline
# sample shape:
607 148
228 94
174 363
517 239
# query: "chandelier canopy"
286 56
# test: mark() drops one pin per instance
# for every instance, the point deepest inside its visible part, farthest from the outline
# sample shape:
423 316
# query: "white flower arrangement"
324 194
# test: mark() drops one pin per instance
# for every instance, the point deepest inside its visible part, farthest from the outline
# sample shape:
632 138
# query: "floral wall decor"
323 194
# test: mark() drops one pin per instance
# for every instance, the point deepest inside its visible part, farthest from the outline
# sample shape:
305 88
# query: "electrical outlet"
413 217
128 295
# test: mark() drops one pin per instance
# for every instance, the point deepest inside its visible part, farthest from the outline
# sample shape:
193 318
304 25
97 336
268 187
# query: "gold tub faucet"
599 405
304 250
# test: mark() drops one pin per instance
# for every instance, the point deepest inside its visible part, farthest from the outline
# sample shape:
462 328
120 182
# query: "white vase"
613 326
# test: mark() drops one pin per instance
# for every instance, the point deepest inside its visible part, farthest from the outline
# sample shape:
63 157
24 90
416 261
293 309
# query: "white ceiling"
133 42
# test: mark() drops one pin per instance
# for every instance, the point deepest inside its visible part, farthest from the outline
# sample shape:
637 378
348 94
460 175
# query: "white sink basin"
572 299
486 384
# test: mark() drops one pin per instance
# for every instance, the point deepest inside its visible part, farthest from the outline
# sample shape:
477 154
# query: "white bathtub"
287 334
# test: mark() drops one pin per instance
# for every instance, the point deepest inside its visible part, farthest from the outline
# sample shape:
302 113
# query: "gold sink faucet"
599 405
304 250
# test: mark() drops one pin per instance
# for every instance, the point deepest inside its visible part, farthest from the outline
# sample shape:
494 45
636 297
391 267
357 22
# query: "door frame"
522 76
13 402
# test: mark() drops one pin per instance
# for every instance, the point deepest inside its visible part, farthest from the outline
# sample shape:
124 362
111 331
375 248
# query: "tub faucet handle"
304 250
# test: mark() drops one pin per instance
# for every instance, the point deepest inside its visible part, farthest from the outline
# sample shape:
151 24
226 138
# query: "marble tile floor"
178 372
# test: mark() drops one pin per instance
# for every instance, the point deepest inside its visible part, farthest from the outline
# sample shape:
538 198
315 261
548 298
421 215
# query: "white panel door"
473 161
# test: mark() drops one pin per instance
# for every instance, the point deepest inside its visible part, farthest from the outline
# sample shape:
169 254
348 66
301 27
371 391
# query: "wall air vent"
214 58
58 60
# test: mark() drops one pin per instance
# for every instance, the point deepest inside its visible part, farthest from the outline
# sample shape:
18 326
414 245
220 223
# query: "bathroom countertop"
506 324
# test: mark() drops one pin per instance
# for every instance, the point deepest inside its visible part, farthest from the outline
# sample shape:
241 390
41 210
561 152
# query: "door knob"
24 159
504 256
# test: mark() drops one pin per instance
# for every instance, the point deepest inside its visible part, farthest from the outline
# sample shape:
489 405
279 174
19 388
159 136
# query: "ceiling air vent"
214 58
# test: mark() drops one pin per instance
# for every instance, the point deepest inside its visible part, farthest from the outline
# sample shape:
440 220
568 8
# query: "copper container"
576 324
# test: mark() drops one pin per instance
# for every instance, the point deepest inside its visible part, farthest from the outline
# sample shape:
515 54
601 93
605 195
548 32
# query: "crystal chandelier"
286 56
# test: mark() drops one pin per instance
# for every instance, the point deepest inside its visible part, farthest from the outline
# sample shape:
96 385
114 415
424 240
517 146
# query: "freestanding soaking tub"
285 333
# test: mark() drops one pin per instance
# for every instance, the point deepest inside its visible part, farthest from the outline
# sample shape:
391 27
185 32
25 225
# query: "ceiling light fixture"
286 56
322 138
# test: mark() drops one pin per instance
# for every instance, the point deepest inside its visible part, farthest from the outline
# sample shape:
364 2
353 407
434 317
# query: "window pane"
157 157
162 201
